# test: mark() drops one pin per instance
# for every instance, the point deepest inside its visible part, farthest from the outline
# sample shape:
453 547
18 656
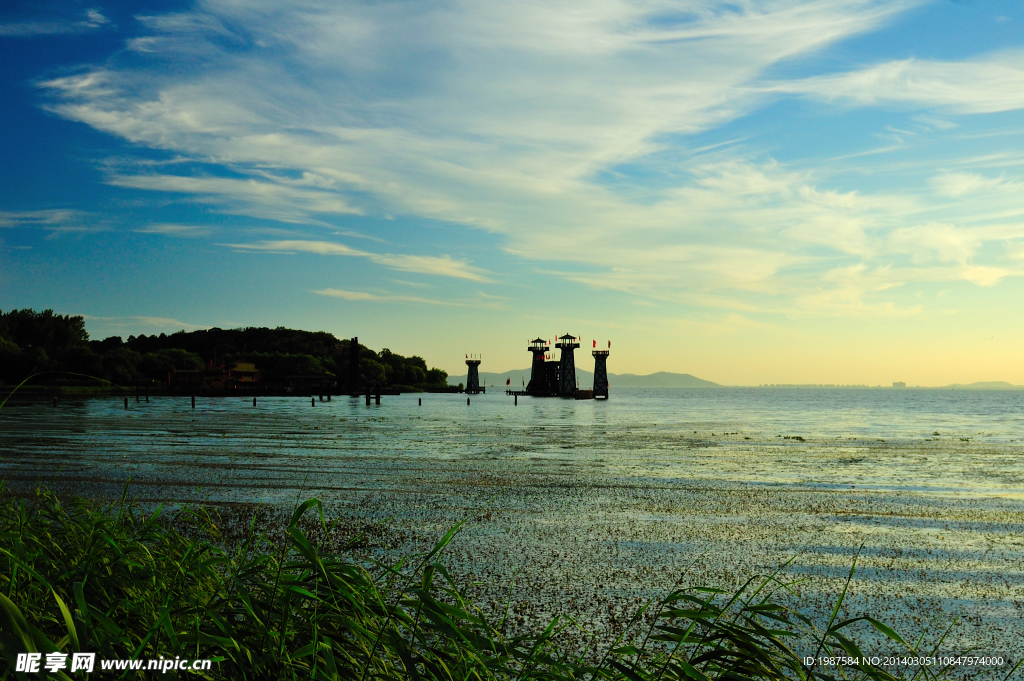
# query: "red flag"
595 343
609 344
508 381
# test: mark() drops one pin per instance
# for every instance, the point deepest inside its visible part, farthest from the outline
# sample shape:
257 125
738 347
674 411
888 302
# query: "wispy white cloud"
297 246
365 297
935 241
272 200
955 185
984 275
511 117
444 266
362 296
171 229
93 19
985 85
37 218
846 289
933 122
414 284
518 97
50 219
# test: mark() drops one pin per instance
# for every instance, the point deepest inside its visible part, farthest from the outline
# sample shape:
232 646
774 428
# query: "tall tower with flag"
538 374
601 371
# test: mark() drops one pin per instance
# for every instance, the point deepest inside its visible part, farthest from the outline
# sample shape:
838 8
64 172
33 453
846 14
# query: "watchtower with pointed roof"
567 365
538 379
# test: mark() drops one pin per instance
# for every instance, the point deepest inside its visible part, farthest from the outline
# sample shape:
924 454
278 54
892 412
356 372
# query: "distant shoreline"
665 379
29 392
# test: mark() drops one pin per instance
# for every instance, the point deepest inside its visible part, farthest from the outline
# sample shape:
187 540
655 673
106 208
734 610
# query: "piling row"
312 400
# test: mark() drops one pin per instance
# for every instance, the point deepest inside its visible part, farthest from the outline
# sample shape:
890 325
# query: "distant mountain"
585 379
661 379
984 385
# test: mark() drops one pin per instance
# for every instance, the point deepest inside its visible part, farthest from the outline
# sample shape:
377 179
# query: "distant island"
254 359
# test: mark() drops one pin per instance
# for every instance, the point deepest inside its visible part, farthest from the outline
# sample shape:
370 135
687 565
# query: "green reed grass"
123 583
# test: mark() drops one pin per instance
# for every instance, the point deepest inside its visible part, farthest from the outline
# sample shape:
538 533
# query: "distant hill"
662 379
984 385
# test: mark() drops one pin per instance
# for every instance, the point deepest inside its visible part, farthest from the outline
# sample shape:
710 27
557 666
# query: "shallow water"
591 505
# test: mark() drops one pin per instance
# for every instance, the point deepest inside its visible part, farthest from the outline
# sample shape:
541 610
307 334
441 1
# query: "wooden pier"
579 394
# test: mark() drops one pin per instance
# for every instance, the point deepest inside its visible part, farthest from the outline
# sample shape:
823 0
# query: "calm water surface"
963 442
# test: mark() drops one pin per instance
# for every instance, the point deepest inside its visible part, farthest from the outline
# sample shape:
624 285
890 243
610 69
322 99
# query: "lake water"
589 505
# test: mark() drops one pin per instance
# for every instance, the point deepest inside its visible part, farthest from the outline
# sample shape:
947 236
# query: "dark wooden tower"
601 373
538 380
567 365
473 377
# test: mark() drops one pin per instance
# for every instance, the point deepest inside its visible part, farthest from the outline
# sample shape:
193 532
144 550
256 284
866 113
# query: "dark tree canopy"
211 343
43 341
30 329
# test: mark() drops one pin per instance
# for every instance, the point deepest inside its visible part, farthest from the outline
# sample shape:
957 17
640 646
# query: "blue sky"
751 191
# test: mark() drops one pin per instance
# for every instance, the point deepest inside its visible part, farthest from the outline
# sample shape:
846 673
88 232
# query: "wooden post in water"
516 398
312 401
467 401
193 401
126 403
377 398
55 401
254 401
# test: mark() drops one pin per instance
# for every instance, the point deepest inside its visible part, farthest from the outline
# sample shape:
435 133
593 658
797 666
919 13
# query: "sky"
752 192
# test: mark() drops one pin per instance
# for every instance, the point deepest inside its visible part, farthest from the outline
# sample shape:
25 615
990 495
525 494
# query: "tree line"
59 349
